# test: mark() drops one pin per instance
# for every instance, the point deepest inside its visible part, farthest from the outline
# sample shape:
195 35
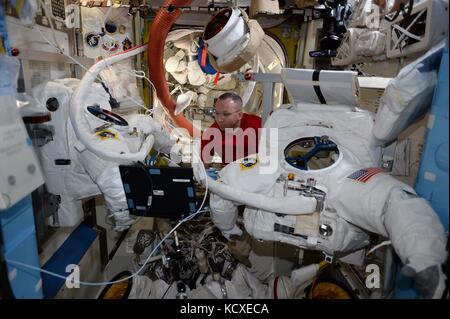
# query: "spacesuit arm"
290 205
415 230
419 239
224 215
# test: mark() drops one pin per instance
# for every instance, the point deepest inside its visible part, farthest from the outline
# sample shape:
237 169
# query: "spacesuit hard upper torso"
354 197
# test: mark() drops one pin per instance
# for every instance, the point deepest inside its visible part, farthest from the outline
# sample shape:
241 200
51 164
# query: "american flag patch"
363 175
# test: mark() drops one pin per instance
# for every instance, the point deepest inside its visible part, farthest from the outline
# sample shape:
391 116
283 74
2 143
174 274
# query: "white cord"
60 50
140 75
384 243
56 46
50 20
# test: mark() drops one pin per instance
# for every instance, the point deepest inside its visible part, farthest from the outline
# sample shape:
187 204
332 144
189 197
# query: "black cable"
445 270
112 101
315 78
167 290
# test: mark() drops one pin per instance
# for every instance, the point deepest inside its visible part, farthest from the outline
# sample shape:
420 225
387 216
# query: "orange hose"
165 18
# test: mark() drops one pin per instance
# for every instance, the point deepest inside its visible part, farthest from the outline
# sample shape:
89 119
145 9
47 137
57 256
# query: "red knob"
15 51
248 76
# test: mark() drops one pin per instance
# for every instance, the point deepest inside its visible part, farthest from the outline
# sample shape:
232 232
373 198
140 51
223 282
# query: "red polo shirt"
230 144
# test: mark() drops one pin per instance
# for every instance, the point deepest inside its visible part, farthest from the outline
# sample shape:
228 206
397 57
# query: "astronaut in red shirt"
234 134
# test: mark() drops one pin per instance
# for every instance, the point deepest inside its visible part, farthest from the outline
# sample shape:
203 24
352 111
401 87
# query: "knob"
325 230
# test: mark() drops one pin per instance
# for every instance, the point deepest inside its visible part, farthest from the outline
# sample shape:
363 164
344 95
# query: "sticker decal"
106 134
248 163
365 174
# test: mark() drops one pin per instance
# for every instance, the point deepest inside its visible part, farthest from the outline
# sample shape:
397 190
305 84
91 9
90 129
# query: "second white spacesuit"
86 173
331 154
353 196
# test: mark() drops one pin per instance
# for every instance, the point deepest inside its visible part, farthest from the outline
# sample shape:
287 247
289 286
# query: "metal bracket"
268 81
328 258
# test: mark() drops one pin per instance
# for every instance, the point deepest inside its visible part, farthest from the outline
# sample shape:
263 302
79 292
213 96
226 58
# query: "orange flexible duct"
165 18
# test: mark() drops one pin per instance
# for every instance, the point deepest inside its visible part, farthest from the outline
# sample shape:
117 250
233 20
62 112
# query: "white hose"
77 112
289 205
384 243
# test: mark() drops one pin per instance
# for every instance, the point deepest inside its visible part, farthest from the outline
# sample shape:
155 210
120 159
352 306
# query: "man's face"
227 114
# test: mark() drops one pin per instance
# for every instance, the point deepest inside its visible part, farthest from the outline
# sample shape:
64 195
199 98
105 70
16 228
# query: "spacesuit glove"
233 233
199 173
430 282
213 173
122 220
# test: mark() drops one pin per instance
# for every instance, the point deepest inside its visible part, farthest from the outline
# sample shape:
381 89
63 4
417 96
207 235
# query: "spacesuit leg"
111 185
107 176
224 215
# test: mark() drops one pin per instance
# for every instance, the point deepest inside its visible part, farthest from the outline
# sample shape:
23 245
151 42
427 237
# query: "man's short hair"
233 96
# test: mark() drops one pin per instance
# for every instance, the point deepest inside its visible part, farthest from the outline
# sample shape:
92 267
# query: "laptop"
163 192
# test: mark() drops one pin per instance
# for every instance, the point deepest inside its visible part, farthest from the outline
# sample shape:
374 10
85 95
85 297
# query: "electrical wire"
140 75
60 50
50 19
153 259
167 290
384 243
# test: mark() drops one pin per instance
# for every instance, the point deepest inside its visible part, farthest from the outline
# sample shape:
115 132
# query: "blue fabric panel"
70 252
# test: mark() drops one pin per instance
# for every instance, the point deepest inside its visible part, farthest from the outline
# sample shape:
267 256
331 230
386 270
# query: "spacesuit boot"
121 220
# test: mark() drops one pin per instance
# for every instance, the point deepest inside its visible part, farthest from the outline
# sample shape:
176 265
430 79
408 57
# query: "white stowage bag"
245 285
370 43
407 96
337 87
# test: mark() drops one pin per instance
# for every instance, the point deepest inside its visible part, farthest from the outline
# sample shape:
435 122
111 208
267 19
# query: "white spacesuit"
84 173
328 161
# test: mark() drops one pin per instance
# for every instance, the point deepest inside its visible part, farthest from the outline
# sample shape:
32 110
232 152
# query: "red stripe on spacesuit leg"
275 288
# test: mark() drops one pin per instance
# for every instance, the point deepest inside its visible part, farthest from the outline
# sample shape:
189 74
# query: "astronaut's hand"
430 282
